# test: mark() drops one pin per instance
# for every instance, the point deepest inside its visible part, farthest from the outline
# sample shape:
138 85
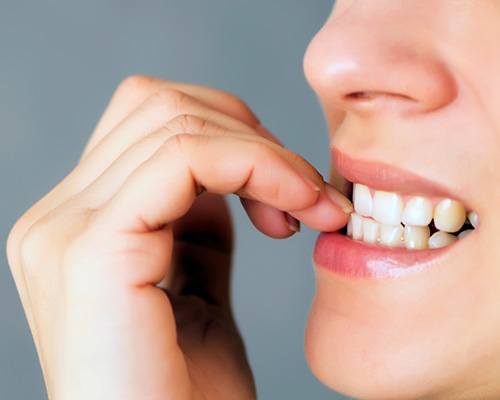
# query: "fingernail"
293 223
313 185
339 199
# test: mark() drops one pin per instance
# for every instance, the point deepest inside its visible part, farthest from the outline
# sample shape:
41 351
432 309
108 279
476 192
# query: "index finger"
133 91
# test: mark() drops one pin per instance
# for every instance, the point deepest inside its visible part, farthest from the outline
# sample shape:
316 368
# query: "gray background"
61 60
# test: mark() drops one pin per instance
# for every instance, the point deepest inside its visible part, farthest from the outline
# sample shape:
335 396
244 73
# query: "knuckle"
185 144
13 244
135 84
179 143
35 244
173 145
186 123
170 100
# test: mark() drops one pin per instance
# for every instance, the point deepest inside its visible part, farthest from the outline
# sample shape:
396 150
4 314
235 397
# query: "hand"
123 268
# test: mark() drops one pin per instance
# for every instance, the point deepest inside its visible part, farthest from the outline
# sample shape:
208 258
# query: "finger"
274 223
269 220
130 95
156 111
163 188
109 182
115 175
153 113
134 90
322 216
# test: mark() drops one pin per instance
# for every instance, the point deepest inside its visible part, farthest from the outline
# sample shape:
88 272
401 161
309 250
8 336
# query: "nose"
373 65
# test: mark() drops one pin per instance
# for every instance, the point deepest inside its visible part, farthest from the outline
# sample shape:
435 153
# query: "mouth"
402 223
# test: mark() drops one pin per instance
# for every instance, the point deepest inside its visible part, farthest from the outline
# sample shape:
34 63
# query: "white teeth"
391 235
441 239
463 234
416 237
371 230
362 198
417 212
385 218
449 216
387 208
349 227
357 226
473 219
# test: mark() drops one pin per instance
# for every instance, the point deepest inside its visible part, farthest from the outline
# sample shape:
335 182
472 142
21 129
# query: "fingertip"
339 199
269 220
324 216
293 223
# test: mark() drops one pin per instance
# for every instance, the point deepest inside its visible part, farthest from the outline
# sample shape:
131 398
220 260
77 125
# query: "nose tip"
365 73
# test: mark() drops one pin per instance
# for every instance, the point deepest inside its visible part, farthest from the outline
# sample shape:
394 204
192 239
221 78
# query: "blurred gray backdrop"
60 62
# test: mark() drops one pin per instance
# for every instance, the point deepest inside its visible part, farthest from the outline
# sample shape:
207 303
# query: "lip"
386 177
345 256
342 255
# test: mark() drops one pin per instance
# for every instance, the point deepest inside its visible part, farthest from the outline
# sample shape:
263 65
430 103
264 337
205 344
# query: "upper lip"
381 176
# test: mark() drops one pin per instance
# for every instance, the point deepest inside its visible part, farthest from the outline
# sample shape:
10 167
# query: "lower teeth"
370 231
412 221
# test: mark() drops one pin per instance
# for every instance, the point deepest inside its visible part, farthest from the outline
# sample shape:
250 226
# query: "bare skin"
123 268
412 84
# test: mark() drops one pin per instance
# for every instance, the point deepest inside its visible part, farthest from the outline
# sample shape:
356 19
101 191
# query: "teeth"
389 219
441 239
387 208
349 227
449 216
356 226
463 234
416 237
371 231
362 198
417 212
473 219
391 235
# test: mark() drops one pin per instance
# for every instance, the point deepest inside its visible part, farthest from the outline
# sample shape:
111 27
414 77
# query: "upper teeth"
449 215
379 217
387 208
418 211
363 202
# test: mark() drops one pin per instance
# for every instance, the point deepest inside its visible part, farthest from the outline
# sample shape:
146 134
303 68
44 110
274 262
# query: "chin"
372 361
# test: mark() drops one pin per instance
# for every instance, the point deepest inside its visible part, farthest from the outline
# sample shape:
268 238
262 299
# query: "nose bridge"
370 65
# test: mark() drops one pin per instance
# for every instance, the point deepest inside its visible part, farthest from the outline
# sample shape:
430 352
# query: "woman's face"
411 92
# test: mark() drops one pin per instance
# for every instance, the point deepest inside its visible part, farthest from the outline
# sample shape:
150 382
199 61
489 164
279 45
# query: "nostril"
369 101
372 95
359 96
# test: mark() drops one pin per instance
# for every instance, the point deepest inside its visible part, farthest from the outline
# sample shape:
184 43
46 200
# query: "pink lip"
382 176
342 255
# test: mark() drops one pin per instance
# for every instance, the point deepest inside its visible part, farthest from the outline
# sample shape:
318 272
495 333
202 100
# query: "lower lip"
344 256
